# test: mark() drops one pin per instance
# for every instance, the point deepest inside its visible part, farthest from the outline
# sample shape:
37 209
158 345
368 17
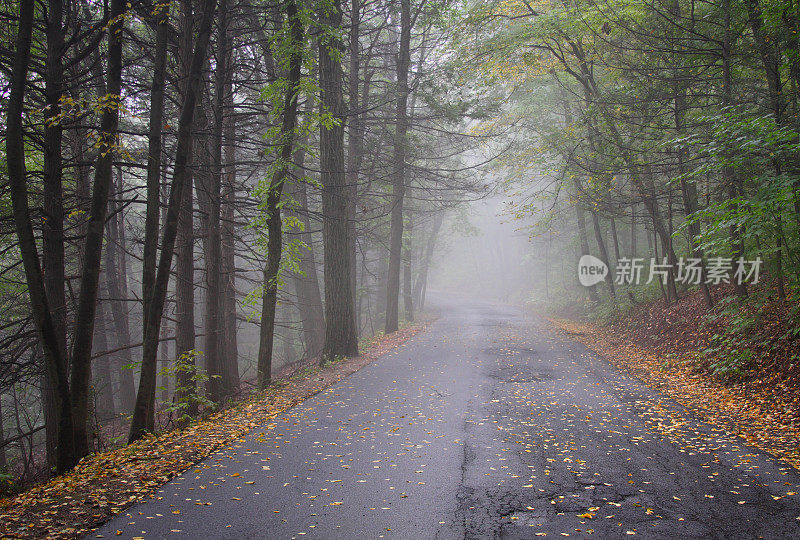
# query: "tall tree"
143 417
220 387
40 306
53 207
93 244
294 45
340 326
398 169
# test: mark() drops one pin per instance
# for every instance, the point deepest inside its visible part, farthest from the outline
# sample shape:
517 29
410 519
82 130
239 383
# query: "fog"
486 253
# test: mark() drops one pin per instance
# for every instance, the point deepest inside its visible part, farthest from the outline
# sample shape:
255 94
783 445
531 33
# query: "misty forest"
558 240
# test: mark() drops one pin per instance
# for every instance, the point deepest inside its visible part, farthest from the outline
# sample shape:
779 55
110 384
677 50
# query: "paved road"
488 425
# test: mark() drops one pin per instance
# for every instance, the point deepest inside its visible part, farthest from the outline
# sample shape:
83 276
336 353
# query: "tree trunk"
598 235
103 388
615 238
728 173
422 278
81 367
53 208
274 195
586 78
3 460
229 348
185 328
689 194
340 330
306 283
779 278
408 298
355 145
584 237
17 178
218 384
398 169
143 413
633 231
154 143
116 283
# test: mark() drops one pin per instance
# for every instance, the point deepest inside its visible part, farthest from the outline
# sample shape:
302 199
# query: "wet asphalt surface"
490 424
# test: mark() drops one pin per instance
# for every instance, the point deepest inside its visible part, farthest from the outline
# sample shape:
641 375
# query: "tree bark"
306 282
688 189
154 144
728 173
103 387
81 367
615 238
598 235
398 169
17 177
340 331
584 238
274 195
229 348
53 208
408 297
422 278
116 283
185 330
3 460
354 146
218 384
185 327
143 413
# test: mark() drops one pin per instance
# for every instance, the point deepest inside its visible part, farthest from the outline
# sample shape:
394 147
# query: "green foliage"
7 482
727 359
329 361
187 397
730 354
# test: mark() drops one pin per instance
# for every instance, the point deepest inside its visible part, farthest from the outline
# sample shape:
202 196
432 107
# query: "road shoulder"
757 414
104 485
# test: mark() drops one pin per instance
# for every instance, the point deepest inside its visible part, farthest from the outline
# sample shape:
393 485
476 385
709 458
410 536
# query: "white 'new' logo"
591 270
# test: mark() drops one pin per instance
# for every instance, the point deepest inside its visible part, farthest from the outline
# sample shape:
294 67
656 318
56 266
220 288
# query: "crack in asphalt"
488 425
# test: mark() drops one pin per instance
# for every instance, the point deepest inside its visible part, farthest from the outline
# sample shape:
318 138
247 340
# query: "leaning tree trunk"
81 367
142 421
